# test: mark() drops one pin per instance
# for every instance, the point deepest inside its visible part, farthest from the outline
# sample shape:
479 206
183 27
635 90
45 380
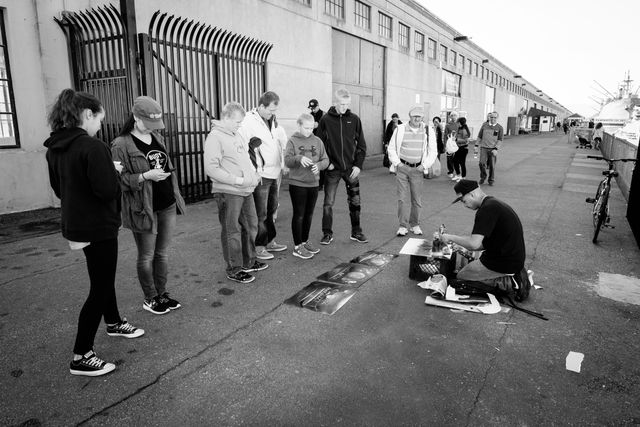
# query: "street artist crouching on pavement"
497 231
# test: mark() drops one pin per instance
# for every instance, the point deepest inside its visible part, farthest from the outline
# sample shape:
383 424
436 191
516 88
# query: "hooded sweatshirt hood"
62 139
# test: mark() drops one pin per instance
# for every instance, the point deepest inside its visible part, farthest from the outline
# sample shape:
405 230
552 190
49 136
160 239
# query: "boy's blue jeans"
239 226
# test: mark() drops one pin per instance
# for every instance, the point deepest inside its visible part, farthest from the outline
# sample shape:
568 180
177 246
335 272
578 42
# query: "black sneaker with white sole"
326 239
359 237
170 302
90 366
155 305
124 329
257 266
241 277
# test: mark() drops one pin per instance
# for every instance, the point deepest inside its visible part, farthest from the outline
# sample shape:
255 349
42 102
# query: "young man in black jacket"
341 132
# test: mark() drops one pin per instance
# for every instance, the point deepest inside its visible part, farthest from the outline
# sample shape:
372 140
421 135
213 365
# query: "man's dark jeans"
266 198
332 179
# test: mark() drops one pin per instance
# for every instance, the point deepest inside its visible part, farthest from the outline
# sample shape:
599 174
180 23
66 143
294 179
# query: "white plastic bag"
451 146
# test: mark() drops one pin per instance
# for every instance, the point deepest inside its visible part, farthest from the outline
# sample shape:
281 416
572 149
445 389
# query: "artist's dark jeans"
102 259
303 200
332 179
266 199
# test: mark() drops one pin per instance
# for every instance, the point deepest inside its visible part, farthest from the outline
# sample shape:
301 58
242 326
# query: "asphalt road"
237 355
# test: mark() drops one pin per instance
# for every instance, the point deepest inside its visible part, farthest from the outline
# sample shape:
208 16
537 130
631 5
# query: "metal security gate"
190 68
193 70
97 52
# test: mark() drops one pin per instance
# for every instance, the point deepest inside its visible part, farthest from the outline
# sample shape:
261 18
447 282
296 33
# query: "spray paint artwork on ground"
335 287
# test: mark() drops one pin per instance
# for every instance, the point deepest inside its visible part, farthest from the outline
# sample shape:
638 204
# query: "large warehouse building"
193 56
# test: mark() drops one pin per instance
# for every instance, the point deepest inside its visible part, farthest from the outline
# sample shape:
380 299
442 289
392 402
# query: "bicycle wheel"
595 210
602 214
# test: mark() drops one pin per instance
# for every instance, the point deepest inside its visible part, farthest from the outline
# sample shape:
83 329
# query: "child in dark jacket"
305 157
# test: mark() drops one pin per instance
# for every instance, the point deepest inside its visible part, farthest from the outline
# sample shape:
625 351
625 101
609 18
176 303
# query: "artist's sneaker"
402 231
416 230
90 366
450 175
263 254
359 237
326 239
155 306
124 329
272 246
257 266
311 247
301 252
241 277
170 302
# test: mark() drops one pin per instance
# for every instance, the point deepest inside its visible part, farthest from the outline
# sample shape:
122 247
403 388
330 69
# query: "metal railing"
617 148
192 70
97 50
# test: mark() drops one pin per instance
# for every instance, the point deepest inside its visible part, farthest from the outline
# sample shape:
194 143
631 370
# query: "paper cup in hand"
117 165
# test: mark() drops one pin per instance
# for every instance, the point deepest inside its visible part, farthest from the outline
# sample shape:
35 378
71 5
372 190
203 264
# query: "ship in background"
617 111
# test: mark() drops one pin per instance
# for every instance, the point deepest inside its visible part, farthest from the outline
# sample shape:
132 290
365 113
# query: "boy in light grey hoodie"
233 177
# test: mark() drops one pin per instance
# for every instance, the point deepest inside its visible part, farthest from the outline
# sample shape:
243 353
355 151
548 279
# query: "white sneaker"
261 253
450 175
530 275
457 178
416 230
402 231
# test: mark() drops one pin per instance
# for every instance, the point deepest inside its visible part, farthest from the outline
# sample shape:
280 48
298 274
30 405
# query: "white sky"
561 46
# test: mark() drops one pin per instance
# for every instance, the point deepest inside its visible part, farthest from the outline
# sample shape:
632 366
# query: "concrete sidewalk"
236 355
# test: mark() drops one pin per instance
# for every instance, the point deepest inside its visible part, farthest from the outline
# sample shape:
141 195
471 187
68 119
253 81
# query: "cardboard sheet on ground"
374 258
349 274
491 307
326 298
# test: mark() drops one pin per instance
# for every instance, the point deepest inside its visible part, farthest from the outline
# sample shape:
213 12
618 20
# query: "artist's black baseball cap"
464 187
313 103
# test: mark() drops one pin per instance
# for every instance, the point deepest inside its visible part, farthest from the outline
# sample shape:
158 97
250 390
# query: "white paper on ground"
574 361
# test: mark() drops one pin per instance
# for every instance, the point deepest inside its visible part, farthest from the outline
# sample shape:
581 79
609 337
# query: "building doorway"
358 66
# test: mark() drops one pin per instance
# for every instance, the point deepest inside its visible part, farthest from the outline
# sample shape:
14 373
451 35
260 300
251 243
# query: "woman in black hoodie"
84 177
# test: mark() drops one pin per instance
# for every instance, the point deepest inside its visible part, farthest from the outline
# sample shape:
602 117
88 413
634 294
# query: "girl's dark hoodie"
83 176
343 139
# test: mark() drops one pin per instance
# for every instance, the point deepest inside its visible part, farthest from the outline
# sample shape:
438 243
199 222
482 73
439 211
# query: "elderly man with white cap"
412 150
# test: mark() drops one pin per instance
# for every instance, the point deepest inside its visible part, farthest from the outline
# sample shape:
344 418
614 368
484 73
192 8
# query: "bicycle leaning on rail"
600 211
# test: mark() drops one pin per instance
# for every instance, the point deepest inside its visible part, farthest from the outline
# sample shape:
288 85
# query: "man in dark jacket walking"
341 132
